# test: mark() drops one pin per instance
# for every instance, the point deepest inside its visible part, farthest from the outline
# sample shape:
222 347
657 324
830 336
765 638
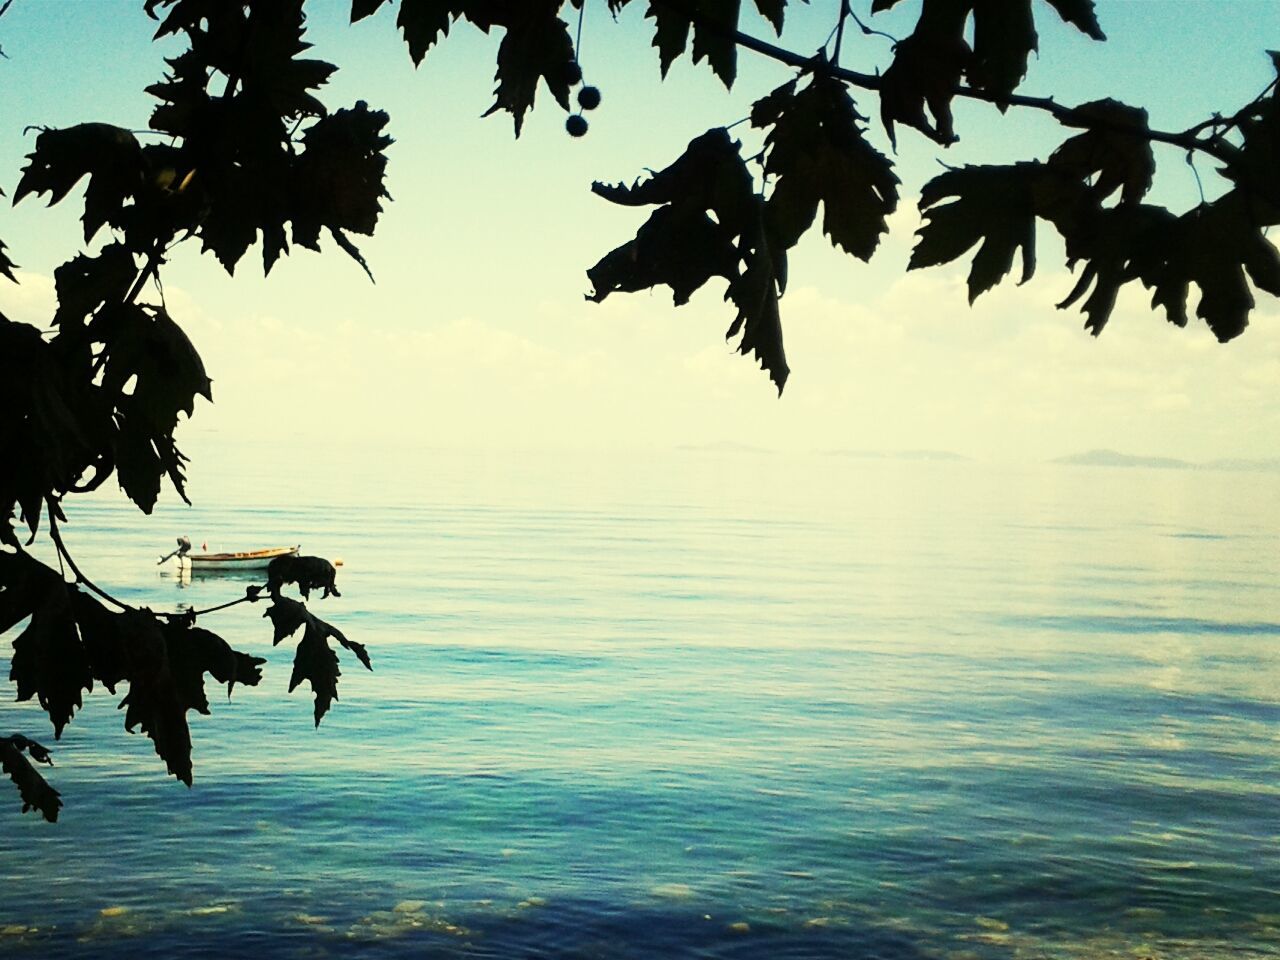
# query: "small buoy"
337 561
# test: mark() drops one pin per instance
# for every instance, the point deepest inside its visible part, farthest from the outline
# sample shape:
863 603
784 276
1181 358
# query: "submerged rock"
672 891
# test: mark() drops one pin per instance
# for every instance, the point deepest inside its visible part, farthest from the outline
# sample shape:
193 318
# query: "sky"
477 334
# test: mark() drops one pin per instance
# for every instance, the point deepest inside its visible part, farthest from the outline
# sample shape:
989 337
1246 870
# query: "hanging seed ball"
589 98
572 73
576 125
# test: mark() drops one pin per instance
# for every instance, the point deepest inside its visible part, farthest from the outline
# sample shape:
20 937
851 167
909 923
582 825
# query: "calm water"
707 705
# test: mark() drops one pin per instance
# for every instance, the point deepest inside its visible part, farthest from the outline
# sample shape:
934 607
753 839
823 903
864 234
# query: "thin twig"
56 535
844 13
251 595
868 32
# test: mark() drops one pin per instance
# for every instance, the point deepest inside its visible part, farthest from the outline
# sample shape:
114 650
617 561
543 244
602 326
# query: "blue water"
693 704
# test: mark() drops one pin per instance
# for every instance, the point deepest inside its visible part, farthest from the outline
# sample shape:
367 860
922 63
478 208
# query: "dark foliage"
309 573
250 154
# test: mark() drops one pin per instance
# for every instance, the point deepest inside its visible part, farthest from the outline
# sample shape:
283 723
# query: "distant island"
897 454
1113 458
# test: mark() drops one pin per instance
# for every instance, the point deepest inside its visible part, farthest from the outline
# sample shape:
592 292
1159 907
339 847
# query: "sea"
705 703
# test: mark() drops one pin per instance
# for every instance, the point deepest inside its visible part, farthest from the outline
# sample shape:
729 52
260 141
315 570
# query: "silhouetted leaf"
49 662
1120 159
817 151
309 573
1004 35
43 445
169 373
109 156
755 294
85 283
153 703
1254 166
680 245
671 33
339 178
1214 246
1116 246
925 71
774 11
536 45
364 8
713 22
193 652
1080 14
7 266
315 661
992 204
105 638
34 789
423 22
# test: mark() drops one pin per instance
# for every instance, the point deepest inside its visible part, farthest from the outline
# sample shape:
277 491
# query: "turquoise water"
709 705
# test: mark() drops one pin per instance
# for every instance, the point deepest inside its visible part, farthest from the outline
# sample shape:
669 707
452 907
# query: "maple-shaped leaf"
193 652
991 205
671 33
1253 166
424 22
1004 36
681 245
1115 149
714 23
143 456
774 11
817 151
85 283
34 790
364 8
536 46
109 156
1116 245
1080 14
105 636
44 444
925 72
314 661
49 661
7 266
709 175
309 573
167 372
1214 246
338 181
755 294
151 352
153 703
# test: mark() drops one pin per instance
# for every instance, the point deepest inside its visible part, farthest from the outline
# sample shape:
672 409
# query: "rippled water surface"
694 704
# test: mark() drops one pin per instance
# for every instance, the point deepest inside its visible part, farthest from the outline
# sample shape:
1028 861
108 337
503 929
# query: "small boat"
244 560
189 561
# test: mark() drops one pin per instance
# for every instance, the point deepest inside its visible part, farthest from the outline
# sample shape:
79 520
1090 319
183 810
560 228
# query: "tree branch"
1187 140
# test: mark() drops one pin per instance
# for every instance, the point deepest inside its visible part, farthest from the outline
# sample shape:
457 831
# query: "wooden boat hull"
223 562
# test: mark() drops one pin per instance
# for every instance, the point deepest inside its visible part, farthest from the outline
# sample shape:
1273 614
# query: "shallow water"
712 705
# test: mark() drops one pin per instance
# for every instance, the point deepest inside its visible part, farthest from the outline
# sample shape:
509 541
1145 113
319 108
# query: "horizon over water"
700 703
